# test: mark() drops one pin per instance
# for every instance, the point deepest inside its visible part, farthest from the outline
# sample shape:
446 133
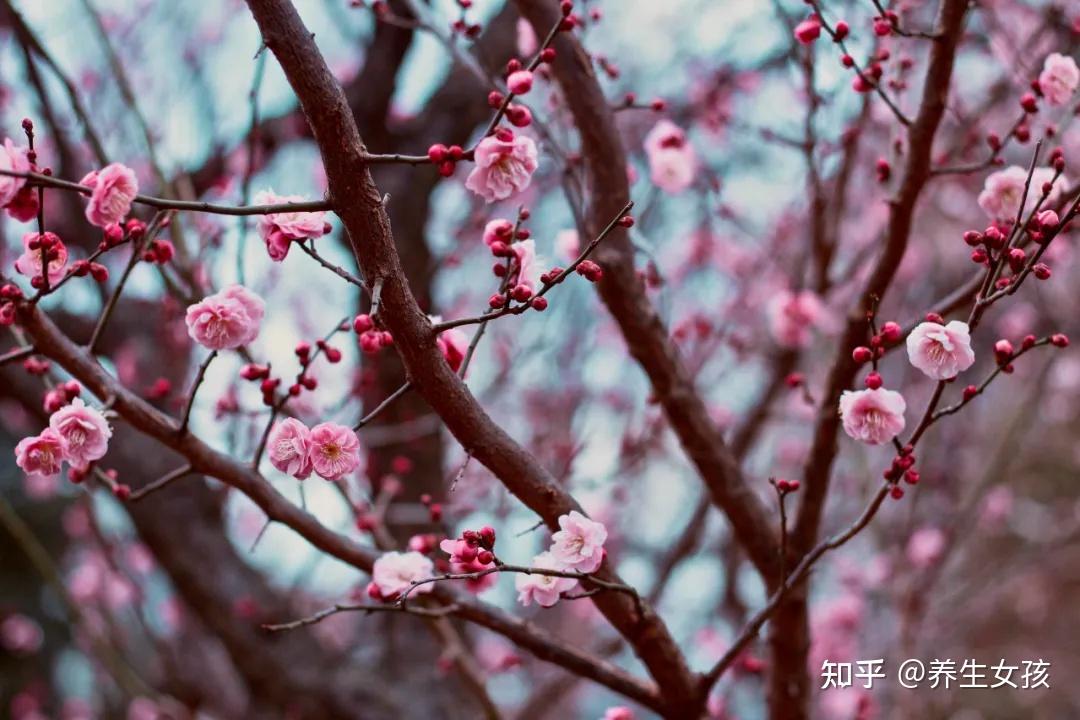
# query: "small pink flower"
620 712
12 159
941 351
925 547
792 317
567 245
1059 78
672 161
480 584
20 635
545 590
85 432
529 267
114 187
29 263
579 542
1001 194
453 344
227 319
279 230
334 450
503 167
394 572
41 454
288 448
459 550
872 416
527 43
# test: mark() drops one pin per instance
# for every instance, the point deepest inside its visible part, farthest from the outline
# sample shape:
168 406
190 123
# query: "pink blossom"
278 230
529 267
619 712
227 319
527 42
12 159
85 432
29 263
394 572
567 245
41 454
1001 194
925 547
503 166
288 448
579 542
872 416
459 550
544 589
453 344
113 189
792 316
20 635
480 584
672 161
335 450
941 351
1059 78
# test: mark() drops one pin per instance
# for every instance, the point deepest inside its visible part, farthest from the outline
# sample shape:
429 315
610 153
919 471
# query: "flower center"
331 451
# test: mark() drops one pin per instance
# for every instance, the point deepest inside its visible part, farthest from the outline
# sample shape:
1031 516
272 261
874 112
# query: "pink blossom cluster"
77 435
280 230
673 164
332 451
578 546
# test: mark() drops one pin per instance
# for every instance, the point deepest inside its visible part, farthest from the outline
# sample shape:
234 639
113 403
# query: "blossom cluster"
578 546
332 451
77 435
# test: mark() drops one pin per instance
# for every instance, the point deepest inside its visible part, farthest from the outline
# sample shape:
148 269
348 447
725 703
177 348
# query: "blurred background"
152 609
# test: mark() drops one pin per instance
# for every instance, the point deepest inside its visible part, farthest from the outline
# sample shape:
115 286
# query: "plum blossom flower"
1001 194
505 164
12 159
394 572
278 230
42 454
334 450
227 319
792 316
941 351
579 542
85 432
113 188
872 416
926 546
567 245
1059 78
672 161
452 343
543 589
529 267
619 712
29 263
479 584
289 448
21 635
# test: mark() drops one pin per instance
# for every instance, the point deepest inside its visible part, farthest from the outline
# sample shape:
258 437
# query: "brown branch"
359 204
623 292
203 459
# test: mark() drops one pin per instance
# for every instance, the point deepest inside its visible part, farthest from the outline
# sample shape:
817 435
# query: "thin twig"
383 405
438 612
199 377
160 483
